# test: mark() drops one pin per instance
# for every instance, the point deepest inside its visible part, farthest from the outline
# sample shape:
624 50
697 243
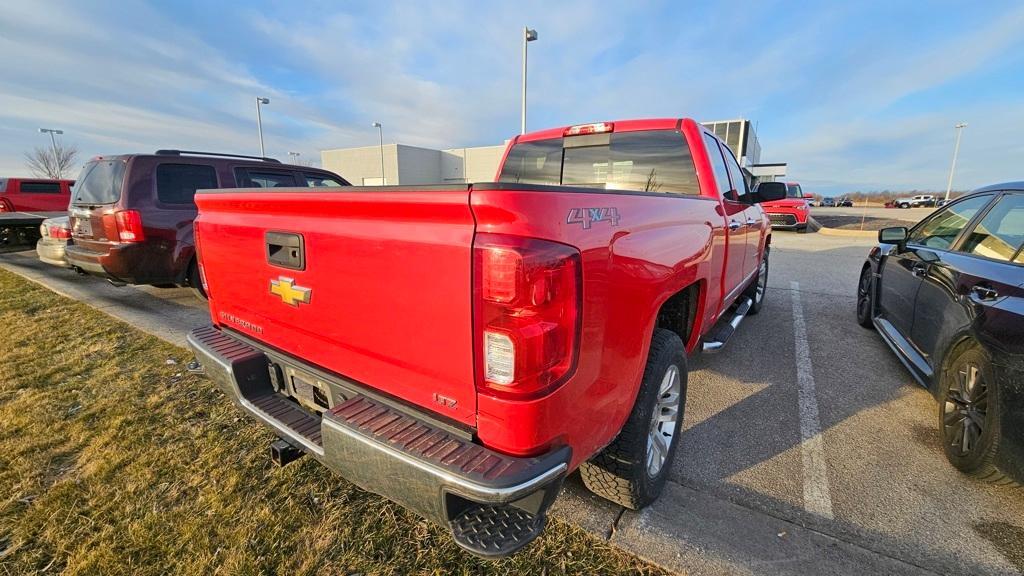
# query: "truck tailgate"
380 290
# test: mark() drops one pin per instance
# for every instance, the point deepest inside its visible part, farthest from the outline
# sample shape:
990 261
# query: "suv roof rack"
197 153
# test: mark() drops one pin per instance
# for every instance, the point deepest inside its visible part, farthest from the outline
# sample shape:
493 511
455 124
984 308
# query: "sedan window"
1000 234
943 227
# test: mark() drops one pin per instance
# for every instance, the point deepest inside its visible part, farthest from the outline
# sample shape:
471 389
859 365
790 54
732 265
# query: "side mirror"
771 191
896 235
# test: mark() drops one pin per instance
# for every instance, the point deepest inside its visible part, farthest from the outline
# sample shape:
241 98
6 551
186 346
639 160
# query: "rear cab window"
177 183
40 187
100 182
641 161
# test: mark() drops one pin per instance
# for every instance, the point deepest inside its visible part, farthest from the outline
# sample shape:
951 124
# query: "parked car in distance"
461 348
845 203
948 297
54 235
828 202
789 213
131 215
919 201
34 194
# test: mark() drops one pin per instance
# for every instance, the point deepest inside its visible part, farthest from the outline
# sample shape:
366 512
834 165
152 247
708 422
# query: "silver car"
56 233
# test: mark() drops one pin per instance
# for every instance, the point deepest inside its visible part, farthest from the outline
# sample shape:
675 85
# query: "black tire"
620 472
969 422
758 288
865 298
195 282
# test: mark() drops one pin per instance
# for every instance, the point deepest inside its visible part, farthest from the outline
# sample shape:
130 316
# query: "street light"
380 134
259 121
295 157
53 141
528 36
959 130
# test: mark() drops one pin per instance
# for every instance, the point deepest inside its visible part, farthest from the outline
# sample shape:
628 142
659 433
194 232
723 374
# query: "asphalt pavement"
908 214
807 447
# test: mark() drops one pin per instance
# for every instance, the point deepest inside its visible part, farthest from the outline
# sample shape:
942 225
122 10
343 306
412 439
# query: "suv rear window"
645 161
40 188
177 183
100 182
264 178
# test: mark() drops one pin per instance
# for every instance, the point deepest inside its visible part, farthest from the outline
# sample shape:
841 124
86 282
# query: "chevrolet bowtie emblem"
289 293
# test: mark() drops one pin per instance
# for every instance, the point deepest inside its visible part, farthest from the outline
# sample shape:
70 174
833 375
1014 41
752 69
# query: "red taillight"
5 205
129 226
59 232
597 128
528 302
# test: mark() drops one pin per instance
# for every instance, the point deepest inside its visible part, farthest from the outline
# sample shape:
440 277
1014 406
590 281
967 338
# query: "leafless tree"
49 162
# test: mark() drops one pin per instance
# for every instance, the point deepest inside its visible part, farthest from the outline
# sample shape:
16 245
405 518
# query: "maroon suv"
131 215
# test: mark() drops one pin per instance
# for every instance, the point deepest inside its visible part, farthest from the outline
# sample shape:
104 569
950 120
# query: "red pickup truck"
460 349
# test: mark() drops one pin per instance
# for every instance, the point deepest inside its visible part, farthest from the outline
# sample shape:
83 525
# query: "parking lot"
808 448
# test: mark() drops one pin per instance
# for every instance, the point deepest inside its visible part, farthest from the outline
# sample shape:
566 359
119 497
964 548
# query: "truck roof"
618 126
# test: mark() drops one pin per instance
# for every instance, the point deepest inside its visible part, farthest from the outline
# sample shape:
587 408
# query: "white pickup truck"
919 201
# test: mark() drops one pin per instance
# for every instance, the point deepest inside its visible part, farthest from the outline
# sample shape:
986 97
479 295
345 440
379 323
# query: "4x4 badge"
289 293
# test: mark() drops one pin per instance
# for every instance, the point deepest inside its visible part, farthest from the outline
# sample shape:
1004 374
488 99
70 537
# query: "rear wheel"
865 300
759 287
195 281
633 469
969 408
904 205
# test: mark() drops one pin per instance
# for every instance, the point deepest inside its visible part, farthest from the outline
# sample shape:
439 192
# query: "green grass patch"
114 460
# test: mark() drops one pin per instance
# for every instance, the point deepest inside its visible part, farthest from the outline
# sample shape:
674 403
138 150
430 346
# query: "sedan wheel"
864 299
969 408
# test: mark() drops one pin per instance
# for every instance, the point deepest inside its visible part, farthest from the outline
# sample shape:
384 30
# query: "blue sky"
855 96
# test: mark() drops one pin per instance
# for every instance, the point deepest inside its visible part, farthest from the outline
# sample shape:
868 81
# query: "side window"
942 228
265 179
177 183
1000 233
318 181
40 187
718 165
736 174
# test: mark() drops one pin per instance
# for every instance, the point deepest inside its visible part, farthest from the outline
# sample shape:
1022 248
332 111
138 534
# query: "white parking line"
817 498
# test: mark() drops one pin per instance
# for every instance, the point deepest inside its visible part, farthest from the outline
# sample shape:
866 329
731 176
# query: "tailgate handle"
286 250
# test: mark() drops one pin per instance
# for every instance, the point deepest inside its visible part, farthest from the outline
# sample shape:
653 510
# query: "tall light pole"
380 134
528 36
53 141
259 120
956 150
294 156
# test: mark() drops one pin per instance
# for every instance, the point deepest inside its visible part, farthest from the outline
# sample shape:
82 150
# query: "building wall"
418 166
361 166
479 164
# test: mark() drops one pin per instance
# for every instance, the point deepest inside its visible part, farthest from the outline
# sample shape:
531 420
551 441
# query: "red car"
34 195
461 348
792 211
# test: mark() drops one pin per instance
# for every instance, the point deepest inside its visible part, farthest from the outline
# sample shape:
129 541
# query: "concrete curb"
815 226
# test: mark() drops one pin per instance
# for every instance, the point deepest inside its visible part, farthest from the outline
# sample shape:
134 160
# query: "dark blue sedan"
948 297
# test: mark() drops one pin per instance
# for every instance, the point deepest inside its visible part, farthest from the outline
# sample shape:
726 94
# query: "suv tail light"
127 224
58 232
528 299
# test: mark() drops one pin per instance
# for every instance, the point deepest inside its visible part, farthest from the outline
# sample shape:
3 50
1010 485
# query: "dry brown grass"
114 461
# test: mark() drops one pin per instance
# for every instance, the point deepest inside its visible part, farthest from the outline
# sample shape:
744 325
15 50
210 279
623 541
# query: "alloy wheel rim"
663 421
965 409
864 293
762 279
